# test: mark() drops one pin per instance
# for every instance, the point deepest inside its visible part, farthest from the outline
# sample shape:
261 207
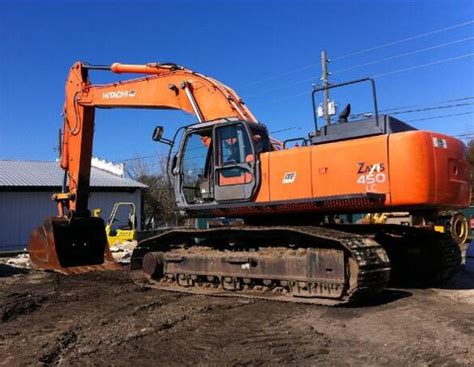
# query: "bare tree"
158 199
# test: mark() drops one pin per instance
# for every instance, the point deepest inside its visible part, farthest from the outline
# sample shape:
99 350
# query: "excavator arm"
167 86
73 239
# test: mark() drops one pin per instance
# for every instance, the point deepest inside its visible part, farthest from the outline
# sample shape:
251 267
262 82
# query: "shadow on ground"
387 296
8 270
464 279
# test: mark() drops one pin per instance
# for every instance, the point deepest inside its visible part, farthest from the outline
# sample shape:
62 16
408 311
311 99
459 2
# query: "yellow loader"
122 232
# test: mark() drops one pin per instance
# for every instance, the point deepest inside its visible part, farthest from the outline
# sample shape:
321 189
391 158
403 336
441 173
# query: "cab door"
235 164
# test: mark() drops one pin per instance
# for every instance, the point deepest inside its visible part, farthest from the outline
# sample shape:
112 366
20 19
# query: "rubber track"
419 257
371 276
452 259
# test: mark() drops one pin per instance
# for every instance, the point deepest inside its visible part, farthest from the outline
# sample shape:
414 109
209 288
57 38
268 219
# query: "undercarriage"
304 264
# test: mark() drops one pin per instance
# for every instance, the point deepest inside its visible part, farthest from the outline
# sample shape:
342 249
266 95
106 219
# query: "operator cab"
218 161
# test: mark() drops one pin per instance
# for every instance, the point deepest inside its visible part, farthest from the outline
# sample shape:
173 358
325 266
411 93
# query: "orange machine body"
409 171
412 170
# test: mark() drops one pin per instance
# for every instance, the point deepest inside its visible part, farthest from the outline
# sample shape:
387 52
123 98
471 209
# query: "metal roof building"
25 197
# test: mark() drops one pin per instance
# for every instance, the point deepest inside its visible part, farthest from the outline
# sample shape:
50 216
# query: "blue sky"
245 44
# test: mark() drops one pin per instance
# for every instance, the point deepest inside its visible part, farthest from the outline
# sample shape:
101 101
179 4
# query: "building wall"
21 212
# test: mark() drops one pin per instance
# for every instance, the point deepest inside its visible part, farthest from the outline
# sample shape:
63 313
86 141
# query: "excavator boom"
168 87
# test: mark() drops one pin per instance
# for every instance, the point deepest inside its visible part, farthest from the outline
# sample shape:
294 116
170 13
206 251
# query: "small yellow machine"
116 230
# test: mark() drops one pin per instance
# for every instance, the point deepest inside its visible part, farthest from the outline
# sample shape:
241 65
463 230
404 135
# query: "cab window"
195 167
233 145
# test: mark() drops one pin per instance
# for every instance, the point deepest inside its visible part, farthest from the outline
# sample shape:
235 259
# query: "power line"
466 137
284 130
284 86
443 116
471 137
284 98
424 65
308 66
399 111
403 55
419 105
433 108
403 40
278 76
137 158
375 76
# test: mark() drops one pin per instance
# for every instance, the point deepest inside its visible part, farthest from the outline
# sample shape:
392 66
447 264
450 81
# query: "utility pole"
324 79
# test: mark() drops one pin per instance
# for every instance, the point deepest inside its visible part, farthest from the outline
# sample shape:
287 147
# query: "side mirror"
158 136
158 133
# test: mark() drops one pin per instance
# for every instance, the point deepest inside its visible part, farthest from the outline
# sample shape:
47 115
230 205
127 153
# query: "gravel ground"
104 319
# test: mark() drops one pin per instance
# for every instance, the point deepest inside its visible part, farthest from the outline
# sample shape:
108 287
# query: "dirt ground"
104 319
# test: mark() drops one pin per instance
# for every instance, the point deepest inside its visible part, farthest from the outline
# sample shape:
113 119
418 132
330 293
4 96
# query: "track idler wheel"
68 246
153 264
459 228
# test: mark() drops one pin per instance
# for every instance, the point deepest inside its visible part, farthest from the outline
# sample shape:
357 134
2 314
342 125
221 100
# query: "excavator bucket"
72 246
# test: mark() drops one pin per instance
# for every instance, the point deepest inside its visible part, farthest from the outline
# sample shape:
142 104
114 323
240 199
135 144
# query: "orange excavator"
287 245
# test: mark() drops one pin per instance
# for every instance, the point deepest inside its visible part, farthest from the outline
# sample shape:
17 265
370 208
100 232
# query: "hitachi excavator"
287 245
